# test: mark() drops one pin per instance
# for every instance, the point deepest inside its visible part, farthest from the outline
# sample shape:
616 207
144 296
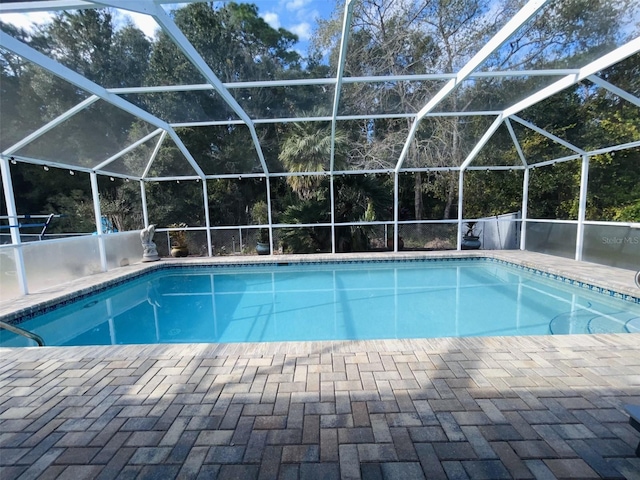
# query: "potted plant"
262 245
471 240
178 238
260 216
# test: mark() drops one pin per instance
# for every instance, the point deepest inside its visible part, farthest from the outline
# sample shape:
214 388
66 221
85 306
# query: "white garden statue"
150 253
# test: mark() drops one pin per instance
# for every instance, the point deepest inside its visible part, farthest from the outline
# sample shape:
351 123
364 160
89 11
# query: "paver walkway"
478 408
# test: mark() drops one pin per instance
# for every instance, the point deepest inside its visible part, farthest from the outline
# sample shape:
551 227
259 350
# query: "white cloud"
296 4
145 23
272 19
26 20
303 30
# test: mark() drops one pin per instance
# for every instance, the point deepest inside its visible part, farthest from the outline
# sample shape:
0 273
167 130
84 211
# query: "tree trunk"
454 161
417 179
417 196
450 192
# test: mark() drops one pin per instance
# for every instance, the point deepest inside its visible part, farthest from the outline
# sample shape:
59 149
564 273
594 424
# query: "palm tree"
307 148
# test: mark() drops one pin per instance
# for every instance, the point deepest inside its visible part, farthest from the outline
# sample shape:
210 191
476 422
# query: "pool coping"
522 343
611 281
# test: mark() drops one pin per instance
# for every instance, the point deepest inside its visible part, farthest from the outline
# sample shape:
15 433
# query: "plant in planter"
260 216
262 246
178 238
471 240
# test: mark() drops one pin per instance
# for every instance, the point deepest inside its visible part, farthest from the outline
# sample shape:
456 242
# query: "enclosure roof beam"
601 63
615 90
614 148
76 168
528 11
556 160
590 153
550 136
494 126
496 168
131 147
154 154
43 6
59 70
26 6
387 171
491 113
482 142
525 13
592 68
516 143
346 28
50 125
148 7
66 166
297 82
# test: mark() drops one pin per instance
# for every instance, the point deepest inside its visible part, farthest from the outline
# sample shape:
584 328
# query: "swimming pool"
333 301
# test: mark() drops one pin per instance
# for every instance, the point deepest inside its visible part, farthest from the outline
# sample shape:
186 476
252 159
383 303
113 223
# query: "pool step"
584 321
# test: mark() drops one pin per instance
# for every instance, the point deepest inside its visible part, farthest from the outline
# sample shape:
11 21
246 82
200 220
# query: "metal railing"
25 333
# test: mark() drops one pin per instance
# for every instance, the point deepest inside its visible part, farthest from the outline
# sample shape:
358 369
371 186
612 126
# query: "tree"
403 37
88 42
614 178
307 148
388 38
237 44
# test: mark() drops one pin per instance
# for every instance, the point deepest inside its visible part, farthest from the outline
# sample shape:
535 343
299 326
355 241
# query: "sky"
297 16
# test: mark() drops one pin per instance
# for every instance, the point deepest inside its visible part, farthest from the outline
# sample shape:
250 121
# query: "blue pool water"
336 301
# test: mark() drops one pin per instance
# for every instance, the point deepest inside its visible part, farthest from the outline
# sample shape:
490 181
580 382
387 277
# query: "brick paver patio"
477 408
469 408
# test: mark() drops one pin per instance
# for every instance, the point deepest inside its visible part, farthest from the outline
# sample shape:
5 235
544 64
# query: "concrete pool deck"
478 408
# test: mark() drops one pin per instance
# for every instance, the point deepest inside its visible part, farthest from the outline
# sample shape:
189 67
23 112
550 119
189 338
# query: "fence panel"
501 232
617 246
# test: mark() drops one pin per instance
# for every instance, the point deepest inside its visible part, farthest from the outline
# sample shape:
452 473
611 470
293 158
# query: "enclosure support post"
525 202
207 222
584 180
460 204
396 211
12 213
145 210
98 216
267 180
333 214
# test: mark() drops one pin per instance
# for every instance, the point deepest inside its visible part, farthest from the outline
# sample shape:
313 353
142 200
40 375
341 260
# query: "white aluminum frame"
59 70
344 43
519 19
154 9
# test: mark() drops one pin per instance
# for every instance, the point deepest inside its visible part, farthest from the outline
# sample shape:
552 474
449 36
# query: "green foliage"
306 239
178 237
77 210
238 45
120 203
307 148
490 193
173 202
260 216
553 191
627 213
